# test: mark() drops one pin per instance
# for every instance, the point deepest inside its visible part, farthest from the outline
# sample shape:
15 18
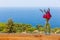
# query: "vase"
47 27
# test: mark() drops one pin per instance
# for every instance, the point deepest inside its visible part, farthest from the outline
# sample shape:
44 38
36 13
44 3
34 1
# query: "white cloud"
29 3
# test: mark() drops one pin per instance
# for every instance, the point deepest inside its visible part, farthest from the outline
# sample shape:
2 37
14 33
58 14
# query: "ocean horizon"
30 15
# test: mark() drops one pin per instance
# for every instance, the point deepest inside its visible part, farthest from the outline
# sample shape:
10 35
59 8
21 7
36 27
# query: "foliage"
30 30
39 27
56 30
12 27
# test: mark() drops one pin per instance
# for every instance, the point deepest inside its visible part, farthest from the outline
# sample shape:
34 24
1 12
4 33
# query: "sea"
30 15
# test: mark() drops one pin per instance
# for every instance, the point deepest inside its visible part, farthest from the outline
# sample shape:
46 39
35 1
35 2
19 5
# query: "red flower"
47 15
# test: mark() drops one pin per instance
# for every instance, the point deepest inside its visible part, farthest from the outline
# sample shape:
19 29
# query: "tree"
10 26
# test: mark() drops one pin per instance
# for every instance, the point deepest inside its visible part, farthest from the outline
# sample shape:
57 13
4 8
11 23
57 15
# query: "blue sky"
29 3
